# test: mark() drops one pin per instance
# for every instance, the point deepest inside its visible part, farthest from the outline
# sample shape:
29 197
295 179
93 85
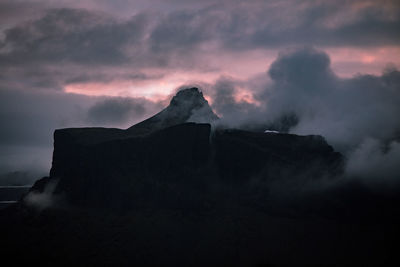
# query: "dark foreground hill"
173 189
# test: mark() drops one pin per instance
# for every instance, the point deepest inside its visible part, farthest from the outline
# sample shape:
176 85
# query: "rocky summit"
188 105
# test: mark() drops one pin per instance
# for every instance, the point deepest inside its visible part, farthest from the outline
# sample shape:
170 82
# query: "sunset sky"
113 63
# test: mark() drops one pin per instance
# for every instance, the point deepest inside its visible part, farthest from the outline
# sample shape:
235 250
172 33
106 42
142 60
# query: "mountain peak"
191 96
188 101
188 105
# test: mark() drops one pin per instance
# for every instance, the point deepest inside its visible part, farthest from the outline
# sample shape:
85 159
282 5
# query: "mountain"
172 154
172 190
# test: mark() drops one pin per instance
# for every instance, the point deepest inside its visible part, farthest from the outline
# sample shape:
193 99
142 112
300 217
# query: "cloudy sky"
73 63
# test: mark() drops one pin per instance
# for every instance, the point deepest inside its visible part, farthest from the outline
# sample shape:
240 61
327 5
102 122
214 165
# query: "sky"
113 63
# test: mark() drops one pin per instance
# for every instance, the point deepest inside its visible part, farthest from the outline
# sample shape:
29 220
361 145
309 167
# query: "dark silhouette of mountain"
120 168
109 173
175 190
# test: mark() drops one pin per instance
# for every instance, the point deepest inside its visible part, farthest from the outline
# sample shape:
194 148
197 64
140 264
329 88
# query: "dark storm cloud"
373 28
358 116
258 24
182 30
346 111
317 25
71 35
12 11
235 112
87 37
57 77
108 77
301 69
59 48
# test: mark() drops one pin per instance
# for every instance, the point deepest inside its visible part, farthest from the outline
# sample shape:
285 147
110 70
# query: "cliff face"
113 170
242 155
171 161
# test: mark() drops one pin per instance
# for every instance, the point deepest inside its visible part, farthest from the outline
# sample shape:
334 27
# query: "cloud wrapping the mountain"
345 110
375 164
45 199
349 113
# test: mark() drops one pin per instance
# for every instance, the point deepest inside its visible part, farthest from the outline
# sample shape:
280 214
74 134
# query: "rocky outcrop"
189 105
